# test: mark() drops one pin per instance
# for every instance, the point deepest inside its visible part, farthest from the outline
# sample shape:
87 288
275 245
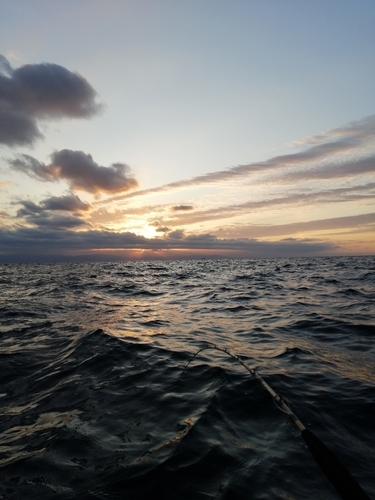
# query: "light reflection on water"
307 324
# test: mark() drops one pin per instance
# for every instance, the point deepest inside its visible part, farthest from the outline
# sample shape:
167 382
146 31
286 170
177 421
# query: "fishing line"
340 478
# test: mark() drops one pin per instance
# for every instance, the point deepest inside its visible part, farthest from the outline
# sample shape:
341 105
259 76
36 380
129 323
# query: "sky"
169 129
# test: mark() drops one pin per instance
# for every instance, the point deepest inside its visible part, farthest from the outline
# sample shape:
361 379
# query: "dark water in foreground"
95 403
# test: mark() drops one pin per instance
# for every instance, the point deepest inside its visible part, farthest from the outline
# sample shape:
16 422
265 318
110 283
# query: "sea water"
95 402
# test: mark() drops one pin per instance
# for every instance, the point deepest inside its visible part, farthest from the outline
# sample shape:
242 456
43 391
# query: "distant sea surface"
95 402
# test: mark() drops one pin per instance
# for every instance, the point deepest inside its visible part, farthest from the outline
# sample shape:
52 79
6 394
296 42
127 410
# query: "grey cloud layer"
80 171
47 213
36 92
36 216
37 244
69 203
66 203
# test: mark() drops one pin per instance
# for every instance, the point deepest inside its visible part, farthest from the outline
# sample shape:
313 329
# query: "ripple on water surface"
95 401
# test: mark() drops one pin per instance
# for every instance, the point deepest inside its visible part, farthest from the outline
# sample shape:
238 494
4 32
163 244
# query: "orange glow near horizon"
170 254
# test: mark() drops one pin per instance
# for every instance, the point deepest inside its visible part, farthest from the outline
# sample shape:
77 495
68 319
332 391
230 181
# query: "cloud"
36 216
343 148
29 208
39 244
337 170
44 214
363 223
178 208
5 67
178 234
345 194
69 203
356 131
159 228
80 171
57 221
37 92
16 128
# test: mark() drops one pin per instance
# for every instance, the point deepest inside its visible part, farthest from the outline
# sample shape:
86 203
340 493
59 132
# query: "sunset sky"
139 129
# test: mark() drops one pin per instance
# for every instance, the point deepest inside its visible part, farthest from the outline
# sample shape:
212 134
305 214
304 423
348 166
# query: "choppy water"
95 402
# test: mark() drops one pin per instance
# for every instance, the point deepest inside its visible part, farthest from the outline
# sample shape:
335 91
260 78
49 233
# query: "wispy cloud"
337 153
345 194
338 170
37 92
363 223
80 171
355 132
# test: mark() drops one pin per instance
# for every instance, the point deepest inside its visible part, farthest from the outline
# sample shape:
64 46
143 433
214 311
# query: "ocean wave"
96 402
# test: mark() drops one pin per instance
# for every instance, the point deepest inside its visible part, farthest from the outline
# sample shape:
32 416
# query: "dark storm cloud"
36 92
80 171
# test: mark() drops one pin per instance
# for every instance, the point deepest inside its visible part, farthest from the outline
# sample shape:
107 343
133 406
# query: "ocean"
96 403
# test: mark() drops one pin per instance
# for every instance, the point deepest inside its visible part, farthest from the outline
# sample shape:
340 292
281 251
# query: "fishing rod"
340 478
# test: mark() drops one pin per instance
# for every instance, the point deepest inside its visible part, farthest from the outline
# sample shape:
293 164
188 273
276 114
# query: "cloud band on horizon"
61 243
